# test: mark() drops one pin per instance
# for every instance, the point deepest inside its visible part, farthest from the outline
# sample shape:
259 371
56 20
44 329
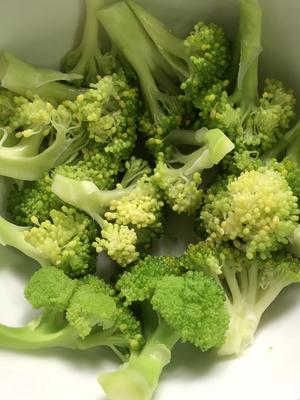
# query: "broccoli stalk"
77 315
142 54
250 286
64 240
179 174
129 217
189 306
24 79
139 377
254 122
28 159
87 59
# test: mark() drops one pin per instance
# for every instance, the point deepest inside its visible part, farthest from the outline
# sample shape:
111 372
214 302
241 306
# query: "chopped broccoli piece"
250 286
179 174
190 308
24 79
256 211
64 240
77 314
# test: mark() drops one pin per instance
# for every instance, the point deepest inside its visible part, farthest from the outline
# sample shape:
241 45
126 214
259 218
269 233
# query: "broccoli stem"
86 196
138 378
12 235
246 93
22 78
215 146
288 145
39 334
246 304
171 47
20 162
140 52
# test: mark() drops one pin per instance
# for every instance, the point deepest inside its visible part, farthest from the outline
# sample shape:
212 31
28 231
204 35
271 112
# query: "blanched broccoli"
257 211
163 62
24 79
252 121
87 59
77 314
179 174
31 154
63 240
109 110
190 308
250 286
133 207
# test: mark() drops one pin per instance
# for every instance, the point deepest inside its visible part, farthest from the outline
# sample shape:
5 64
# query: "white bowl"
41 31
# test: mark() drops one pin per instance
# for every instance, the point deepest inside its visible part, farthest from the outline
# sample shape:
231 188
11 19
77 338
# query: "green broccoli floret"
64 240
78 314
190 308
24 79
87 58
37 199
179 174
257 211
163 62
109 109
251 120
250 286
33 154
131 209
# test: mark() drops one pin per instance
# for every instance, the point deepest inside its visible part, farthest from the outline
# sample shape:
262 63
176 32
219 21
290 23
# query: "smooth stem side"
13 235
86 196
138 379
242 308
139 50
215 147
171 47
246 93
29 168
21 78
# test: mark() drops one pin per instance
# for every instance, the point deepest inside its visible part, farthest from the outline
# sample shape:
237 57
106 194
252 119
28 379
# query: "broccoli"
163 62
34 153
250 286
24 79
77 314
109 110
36 198
134 207
87 59
179 174
257 211
189 307
64 240
254 122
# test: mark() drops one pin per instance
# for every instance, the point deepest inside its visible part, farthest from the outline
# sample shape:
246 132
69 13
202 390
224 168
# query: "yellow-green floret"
257 212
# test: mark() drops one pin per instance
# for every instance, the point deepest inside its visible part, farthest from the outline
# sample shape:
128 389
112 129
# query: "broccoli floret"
190 308
132 209
78 314
64 240
109 110
23 79
87 58
163 62
251 120
31 156
37 199
179 174
250 286
257 211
